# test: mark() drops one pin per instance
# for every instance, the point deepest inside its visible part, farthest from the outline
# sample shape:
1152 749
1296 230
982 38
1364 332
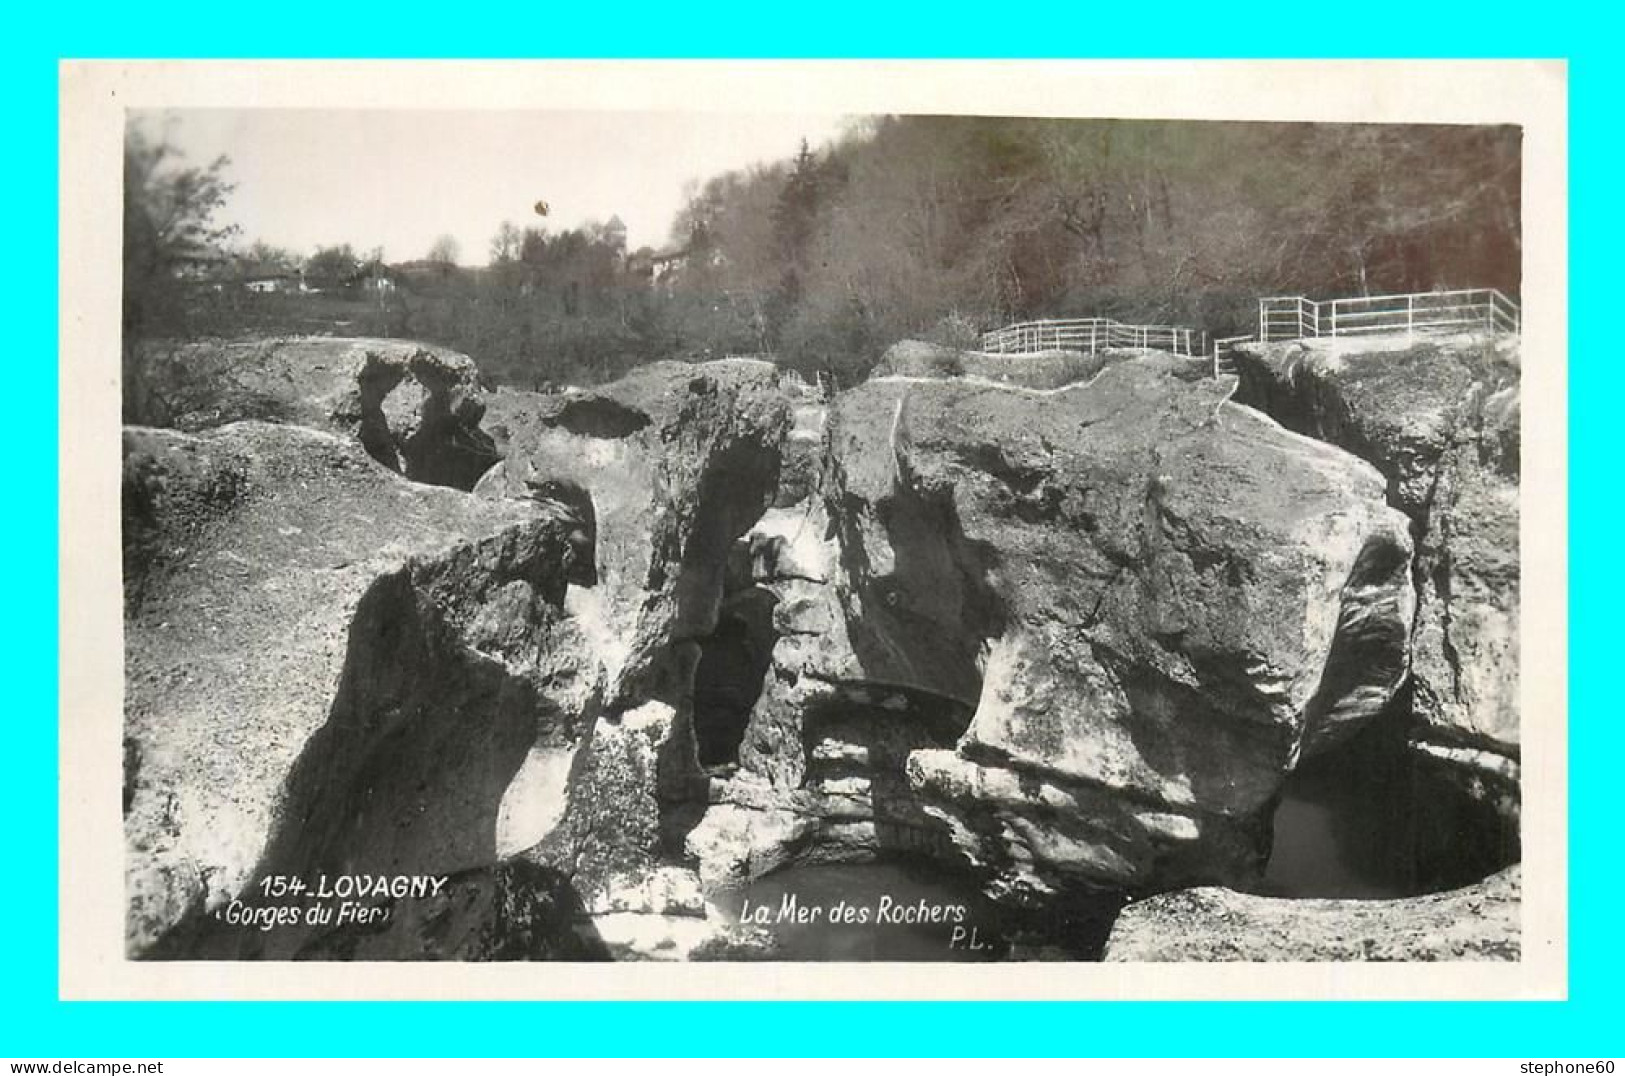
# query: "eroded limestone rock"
416 408
661 472
328 668
1439 418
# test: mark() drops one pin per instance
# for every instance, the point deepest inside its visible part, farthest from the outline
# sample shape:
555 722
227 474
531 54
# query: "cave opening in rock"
1372 819
734 661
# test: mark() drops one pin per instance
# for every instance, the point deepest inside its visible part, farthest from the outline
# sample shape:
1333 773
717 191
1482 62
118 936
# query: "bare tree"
505 245
445 251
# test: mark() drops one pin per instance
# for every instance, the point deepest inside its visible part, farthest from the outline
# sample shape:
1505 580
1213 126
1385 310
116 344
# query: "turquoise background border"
32 1022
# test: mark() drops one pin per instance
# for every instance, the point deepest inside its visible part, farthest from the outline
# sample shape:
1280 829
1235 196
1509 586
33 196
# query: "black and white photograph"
845 535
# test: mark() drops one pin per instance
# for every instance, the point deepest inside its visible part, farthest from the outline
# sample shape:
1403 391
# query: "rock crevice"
1439 418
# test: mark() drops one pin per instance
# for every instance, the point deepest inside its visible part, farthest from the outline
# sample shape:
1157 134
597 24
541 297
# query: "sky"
400 179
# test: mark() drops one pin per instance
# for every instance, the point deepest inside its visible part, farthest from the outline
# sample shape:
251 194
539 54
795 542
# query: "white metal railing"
1290 317
1091 335
1280 317
1224 349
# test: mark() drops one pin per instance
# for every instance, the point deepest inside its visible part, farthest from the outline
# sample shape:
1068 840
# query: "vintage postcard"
860 530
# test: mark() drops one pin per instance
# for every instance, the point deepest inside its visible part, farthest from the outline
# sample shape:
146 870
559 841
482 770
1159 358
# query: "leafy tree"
265 257
332 267
171 206
942 226
171 222
984 220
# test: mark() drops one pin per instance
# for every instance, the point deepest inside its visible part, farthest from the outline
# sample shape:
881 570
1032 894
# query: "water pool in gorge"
1366 821
1314 857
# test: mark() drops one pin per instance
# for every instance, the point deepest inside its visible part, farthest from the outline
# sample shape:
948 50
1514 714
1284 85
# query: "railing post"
1410 315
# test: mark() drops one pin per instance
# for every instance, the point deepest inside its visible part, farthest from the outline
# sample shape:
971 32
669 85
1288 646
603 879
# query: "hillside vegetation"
930 227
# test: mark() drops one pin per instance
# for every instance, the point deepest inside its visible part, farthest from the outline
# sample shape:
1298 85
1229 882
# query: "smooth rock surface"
1480 922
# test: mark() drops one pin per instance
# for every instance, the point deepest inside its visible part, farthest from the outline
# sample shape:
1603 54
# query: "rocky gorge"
603 660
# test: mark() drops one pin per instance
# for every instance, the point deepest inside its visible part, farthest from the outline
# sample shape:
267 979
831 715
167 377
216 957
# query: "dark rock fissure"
572 506
734 661
1440 423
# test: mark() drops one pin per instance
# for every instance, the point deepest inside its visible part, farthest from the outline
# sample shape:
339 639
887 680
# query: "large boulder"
1479 922
1439 418
328 669
1152 600
415 408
